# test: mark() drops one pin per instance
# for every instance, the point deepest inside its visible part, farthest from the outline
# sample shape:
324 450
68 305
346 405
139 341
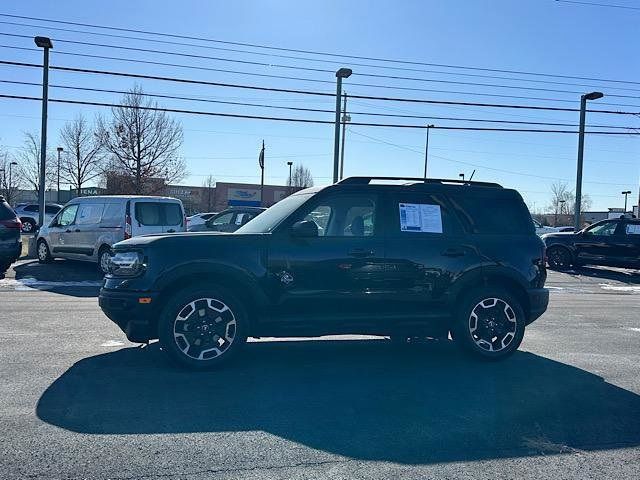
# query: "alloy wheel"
43 251
492 324
204 328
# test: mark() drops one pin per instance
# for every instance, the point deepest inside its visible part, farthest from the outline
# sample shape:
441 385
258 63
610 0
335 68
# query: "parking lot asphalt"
79 401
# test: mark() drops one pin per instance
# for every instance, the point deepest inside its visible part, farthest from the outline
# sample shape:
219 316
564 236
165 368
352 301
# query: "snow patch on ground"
30 283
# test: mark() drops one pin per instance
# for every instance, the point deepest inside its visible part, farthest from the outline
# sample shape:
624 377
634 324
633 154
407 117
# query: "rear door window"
51 209
493 215
155 214
420 214
113 215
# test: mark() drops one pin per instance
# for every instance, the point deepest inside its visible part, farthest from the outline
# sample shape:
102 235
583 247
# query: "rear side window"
31 208
158 213
633 229
493 215
6 213
51 209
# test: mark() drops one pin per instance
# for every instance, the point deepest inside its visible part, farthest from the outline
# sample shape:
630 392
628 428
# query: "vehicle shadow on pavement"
366 400
67 277
618 275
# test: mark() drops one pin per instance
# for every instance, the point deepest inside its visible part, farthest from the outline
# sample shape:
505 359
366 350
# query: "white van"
87 227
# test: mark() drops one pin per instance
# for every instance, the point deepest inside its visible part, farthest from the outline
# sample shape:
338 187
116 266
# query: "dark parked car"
10 242
614 242
228 220
424 258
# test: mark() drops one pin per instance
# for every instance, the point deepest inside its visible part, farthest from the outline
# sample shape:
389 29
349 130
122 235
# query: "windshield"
268 220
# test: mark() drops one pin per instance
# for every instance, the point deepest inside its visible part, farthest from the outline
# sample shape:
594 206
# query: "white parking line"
30 284
621 288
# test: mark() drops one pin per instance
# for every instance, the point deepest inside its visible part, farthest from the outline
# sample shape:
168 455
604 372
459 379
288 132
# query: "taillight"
12 223
127 227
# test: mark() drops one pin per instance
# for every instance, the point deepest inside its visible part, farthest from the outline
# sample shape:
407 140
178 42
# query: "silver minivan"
87 227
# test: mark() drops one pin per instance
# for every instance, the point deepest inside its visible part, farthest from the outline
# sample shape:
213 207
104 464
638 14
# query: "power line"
473 164
291 67
307 92
306 120
594 4
310 52
317 60
315 110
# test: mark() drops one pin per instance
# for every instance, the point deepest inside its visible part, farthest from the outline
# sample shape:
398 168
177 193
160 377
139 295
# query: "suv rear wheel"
558 258
490 323
203 327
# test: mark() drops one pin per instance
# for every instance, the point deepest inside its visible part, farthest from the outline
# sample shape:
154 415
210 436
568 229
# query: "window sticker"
633 228
420 217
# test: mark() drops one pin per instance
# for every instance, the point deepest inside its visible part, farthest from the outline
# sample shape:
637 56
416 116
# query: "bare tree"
9 184
300 177
83 157
29 164
143 142
563 200
209 183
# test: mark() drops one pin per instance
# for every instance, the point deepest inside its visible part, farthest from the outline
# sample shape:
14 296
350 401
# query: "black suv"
424 258
614 242
10 240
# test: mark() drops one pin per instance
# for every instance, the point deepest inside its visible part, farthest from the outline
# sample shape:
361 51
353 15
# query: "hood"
558 236
185 239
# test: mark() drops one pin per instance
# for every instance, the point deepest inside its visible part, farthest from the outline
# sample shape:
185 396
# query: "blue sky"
534 35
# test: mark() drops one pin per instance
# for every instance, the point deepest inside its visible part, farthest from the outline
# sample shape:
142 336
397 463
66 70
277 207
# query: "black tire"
102 266
559 258
188 336
43 252
28 225
490 323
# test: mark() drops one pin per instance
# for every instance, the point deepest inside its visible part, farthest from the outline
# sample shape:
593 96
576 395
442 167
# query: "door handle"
454 252
77 230
171 230
361 252
68 230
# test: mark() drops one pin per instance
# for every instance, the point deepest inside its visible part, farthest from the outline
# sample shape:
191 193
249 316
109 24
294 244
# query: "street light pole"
60 150
625 193
290 179
461 175
583 109
345 118
426 151
340 74
10 195
46 45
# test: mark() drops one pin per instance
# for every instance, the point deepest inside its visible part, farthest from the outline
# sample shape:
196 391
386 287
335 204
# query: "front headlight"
126 264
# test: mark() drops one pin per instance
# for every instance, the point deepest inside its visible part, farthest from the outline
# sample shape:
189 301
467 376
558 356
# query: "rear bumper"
137 320
10 253
538 303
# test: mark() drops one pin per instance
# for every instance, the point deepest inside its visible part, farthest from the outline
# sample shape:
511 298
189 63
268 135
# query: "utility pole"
426 151
261 163
59 149
46 45
290 178
345 118
340 74
11 164
583 109
625 193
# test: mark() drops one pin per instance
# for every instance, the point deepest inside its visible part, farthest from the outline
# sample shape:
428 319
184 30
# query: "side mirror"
304 229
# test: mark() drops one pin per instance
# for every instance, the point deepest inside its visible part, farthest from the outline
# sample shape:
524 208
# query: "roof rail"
367 180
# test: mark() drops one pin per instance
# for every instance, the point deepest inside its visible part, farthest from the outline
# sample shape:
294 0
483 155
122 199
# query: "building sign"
244 197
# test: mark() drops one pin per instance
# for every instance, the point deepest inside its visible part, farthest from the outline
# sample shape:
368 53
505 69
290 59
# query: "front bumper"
538 303
137 320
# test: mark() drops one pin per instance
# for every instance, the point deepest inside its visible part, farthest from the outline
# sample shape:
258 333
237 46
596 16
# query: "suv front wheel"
203 327
490 323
